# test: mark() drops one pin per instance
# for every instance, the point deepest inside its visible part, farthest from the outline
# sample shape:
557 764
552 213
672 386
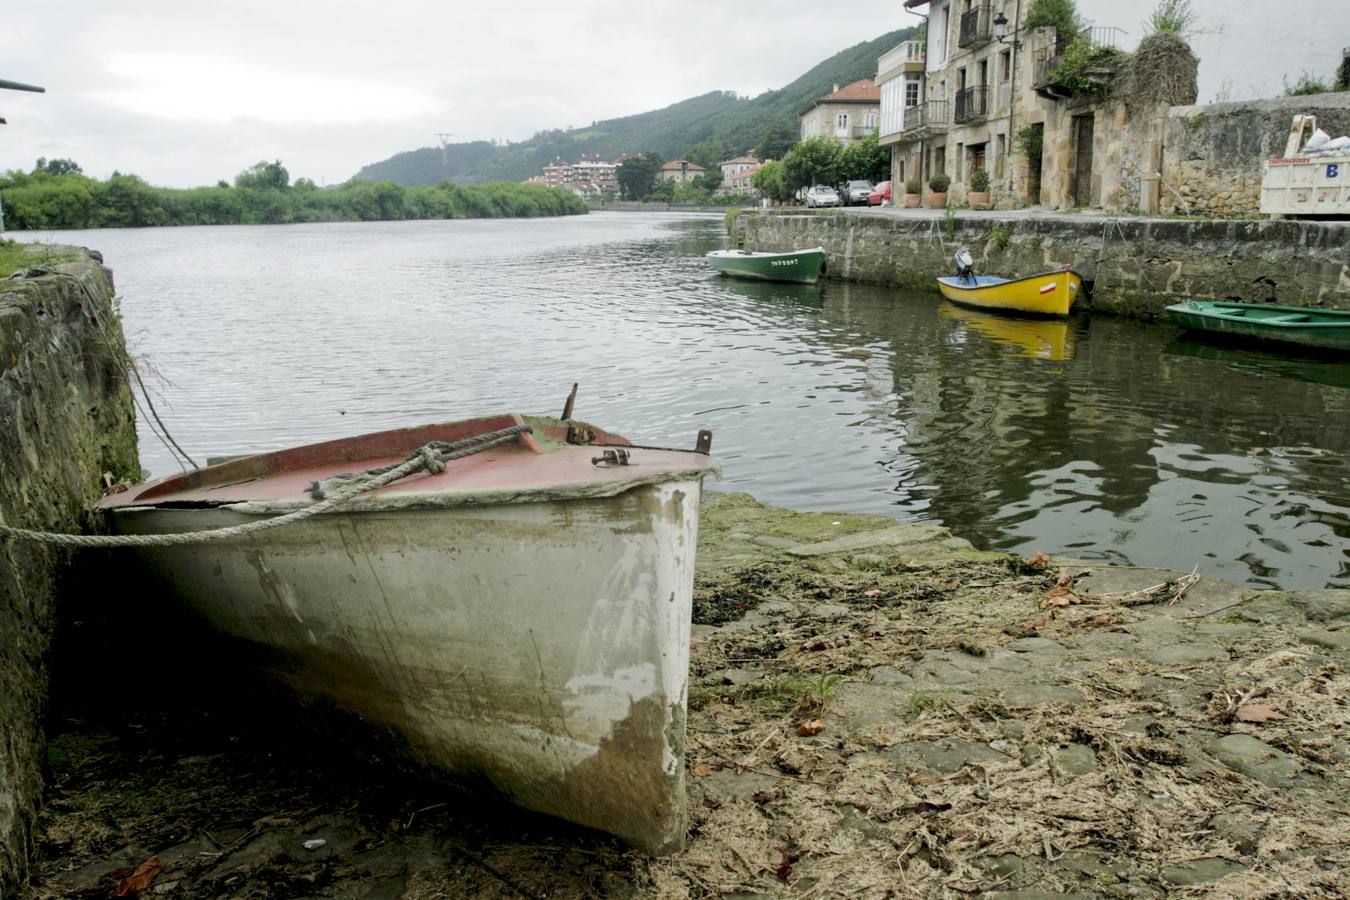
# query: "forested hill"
739 124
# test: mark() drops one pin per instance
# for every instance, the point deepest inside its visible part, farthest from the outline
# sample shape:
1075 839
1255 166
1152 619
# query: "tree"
776 140
264 176
692 193
662 192
813 161
1061 15
867 160
709 153
58 167
772 182
711 180
637 175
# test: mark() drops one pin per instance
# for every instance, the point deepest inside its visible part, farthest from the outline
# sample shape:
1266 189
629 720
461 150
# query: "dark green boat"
802 266
1323 329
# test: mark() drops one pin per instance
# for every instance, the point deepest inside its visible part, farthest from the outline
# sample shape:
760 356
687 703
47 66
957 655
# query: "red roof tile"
864 90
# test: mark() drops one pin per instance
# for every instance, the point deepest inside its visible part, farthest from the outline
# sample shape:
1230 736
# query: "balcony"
974 27
1047 60
927 118
906 57
972 104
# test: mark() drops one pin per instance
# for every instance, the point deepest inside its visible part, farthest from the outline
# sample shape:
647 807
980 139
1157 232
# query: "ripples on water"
1099 438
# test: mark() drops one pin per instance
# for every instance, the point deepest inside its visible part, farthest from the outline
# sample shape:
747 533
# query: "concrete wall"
67 418
1138 265
1212 154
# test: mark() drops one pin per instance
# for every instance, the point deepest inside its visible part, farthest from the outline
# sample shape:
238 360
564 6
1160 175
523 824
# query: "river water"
1099 438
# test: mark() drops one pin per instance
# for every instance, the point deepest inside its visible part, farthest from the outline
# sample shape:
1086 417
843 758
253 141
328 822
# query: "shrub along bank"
60 196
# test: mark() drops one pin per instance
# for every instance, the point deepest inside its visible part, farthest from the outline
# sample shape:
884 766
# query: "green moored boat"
802 266
1322 329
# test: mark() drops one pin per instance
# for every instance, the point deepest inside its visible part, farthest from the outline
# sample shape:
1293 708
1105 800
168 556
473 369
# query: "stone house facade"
737 174
847 114
986 95
680 170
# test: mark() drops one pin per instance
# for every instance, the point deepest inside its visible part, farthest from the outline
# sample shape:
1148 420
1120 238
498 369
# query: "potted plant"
978 195
912 187
938 185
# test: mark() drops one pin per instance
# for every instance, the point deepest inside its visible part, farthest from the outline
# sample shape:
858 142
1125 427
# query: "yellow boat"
1047 294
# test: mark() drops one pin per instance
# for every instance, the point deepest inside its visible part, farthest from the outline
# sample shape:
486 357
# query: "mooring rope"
430 457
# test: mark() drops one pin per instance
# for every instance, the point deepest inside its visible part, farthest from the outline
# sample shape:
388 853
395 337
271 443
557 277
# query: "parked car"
855 193
822 195
879 193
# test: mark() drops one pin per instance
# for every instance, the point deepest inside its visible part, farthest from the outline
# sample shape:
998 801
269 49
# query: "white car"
822 195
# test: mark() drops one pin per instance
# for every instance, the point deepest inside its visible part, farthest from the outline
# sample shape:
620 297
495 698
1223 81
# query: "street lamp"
1001 31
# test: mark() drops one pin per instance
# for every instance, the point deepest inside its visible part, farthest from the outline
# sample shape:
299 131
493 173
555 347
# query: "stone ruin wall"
1212 154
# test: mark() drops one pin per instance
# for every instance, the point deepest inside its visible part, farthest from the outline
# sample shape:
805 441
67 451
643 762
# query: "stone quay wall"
1137 265
67 418
1212 154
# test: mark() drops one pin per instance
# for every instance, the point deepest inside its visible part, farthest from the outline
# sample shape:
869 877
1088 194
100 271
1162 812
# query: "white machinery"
1307 181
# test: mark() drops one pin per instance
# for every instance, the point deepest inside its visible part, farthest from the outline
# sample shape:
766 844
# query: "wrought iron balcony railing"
974 27
971 103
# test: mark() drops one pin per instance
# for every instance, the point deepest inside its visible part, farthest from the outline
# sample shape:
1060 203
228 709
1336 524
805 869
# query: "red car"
881 192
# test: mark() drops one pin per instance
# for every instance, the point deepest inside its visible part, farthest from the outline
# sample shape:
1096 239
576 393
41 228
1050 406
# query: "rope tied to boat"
430 457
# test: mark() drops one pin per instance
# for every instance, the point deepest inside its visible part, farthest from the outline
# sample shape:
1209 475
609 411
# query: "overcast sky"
187 92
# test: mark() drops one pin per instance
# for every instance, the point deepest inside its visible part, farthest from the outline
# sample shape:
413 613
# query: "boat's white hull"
543 645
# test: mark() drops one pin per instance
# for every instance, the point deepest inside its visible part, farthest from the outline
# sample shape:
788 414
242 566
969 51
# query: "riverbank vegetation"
821 160
58 195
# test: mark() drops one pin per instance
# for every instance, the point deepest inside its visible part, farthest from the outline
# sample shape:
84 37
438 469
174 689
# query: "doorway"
1033 146
1082 167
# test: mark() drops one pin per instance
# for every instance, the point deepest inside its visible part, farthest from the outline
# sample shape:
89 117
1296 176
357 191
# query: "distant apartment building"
680 170
847 114
589 176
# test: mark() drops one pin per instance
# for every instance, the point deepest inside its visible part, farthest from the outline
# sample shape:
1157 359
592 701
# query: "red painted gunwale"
523 464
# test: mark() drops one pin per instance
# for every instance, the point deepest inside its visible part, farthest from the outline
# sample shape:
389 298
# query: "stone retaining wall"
1138 265
1212 154
67 418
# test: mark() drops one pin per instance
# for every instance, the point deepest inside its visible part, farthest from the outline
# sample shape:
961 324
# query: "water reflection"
1034 338
1101 438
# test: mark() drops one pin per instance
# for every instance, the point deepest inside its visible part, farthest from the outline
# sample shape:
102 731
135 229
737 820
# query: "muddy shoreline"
875 710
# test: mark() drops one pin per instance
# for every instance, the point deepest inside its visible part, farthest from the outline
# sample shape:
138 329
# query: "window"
1005 66
841 122
911 93
870 120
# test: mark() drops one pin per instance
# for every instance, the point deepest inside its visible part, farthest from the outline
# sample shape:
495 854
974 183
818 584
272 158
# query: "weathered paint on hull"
801 267
1313 328
1048 294
543 646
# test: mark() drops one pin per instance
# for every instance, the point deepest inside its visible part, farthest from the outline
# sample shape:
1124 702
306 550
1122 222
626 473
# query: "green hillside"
741 124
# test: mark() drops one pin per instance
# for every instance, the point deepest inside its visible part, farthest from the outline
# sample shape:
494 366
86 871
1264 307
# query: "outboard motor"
965 265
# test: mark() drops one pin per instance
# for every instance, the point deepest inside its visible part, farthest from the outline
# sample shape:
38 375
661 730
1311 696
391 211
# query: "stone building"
847 114
991 93
680 170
